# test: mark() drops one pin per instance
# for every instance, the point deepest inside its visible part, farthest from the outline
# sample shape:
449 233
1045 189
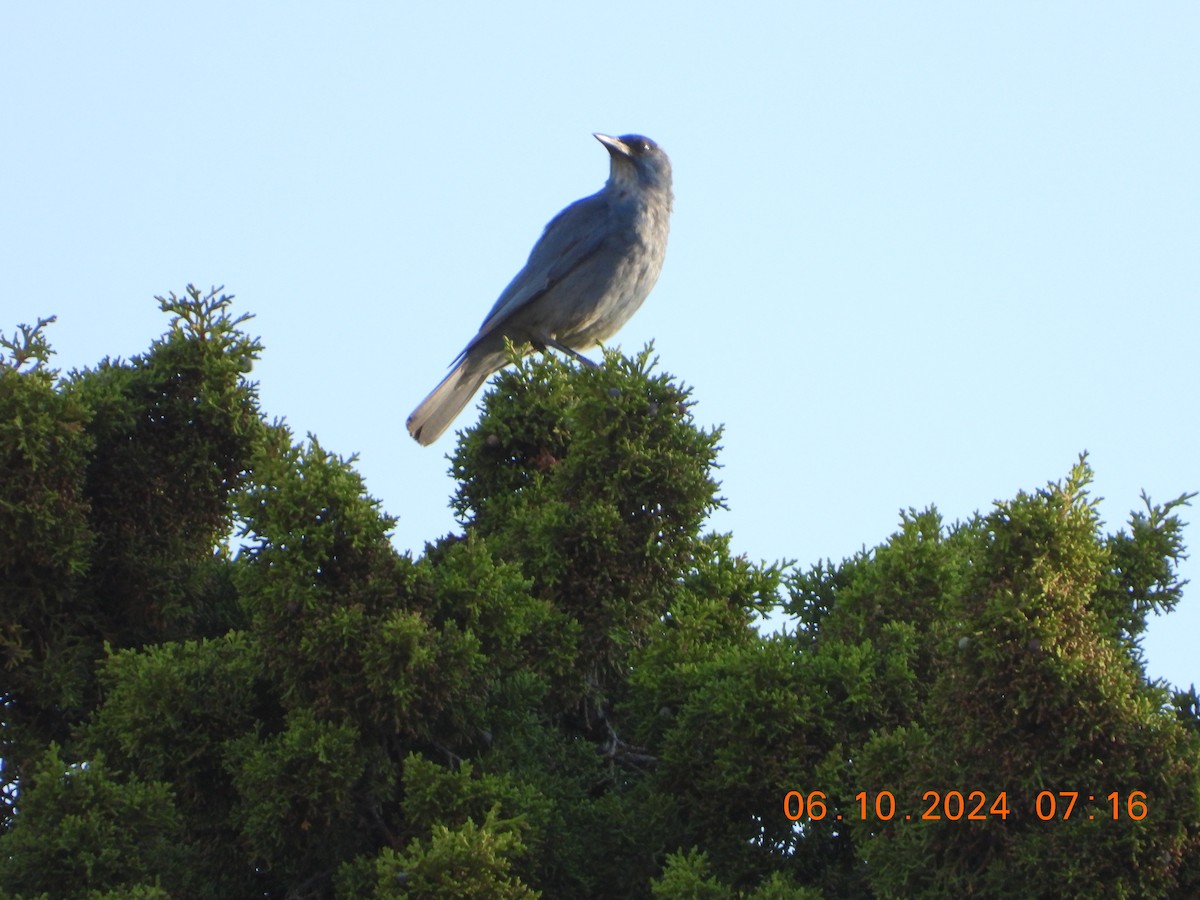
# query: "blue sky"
922 253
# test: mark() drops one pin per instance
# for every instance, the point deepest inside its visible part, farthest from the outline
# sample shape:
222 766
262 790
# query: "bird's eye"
638 144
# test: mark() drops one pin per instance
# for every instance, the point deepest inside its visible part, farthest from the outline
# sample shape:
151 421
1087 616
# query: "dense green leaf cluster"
571 698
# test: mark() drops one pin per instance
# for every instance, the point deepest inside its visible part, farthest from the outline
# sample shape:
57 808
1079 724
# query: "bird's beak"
614 145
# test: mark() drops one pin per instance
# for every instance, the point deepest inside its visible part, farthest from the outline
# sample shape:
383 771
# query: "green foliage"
687 875
49 625
598 483
464 862
297 793
83 830
116 487
1142 576
28 342
1024 685
173 432
180 712
569 699
1034 691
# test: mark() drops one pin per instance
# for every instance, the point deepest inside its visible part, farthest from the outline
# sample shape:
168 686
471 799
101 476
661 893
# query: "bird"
590 270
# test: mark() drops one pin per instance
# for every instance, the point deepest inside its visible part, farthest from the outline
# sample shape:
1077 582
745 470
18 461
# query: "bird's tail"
447 400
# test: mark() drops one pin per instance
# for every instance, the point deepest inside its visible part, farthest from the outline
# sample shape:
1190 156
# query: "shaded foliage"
571 698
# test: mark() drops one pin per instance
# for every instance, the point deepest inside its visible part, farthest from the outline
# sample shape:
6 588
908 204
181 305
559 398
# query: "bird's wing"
571 237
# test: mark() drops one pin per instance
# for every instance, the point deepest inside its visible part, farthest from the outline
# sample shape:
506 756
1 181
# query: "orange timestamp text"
973 806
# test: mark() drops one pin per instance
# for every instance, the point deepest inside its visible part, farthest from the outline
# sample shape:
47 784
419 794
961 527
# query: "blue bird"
591 269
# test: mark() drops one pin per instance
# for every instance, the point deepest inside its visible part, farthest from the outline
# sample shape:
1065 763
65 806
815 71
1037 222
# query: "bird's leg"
547 341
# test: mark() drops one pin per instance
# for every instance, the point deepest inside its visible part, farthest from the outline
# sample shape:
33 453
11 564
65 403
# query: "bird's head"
637 163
